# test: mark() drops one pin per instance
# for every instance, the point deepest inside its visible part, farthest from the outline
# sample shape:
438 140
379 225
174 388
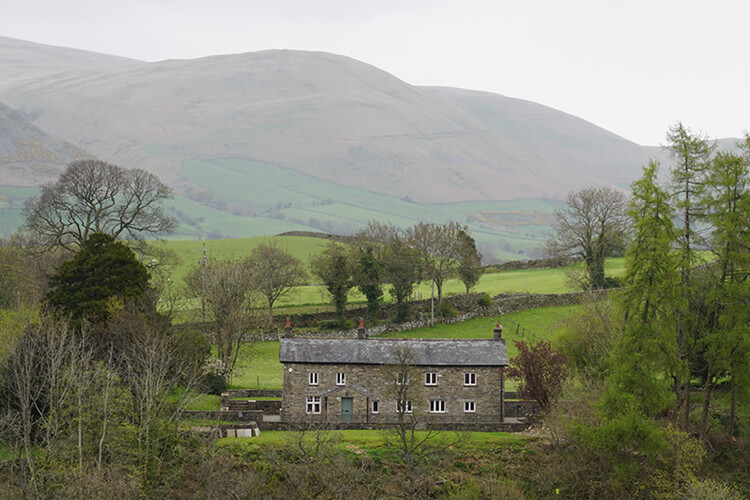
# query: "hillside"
261 143
29 157
568 141
318 114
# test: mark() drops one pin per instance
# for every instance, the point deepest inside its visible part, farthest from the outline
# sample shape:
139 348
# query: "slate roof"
455 352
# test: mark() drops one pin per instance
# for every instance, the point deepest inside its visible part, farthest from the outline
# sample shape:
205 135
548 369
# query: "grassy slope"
526 281
298 198
191 251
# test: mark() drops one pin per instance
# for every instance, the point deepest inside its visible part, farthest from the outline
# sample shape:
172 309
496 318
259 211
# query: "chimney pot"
361 330
288 327
497 332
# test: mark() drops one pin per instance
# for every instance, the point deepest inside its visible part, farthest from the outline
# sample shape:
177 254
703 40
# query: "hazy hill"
319 114
567 140
28 156
261 143
23 61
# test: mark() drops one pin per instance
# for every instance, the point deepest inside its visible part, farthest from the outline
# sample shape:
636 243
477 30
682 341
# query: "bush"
446 310
334 324
215 384
484 300
612 282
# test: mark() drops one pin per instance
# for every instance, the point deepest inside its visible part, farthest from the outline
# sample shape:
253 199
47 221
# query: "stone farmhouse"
341 380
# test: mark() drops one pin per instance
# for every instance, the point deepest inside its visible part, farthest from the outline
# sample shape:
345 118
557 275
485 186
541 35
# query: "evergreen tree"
691 153
640 365
102 270
727 203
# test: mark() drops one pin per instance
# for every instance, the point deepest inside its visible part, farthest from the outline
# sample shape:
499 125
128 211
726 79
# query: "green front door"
346 409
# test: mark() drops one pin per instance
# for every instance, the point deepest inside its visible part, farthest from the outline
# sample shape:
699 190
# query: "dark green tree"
469 261
369 247
402 270
368 275
334 269
102 271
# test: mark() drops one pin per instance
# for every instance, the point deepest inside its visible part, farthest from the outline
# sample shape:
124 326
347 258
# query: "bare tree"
226 287
274 273
415 439
591 226
153 370
94 196
440 248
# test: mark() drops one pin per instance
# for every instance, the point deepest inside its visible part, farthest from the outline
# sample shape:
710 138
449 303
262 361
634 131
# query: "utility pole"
432 305
202 262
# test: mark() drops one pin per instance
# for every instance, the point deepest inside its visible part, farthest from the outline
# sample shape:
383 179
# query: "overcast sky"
632 67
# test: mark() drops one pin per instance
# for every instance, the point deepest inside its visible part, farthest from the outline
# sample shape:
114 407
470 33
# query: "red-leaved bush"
541 371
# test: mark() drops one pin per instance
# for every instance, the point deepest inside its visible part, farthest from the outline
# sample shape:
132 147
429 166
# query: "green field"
190 252
372 439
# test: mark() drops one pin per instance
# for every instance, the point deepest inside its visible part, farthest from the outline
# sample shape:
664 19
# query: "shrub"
540 370
215 384
446 310
484 300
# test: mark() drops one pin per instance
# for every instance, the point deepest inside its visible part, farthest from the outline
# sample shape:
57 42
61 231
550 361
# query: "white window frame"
470 406
313 405
341 378
313 378
376 406
409 408
470 378
430 378
437 406
400 377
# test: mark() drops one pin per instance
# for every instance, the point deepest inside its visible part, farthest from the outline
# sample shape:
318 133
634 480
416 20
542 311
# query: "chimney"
288 328
361 330
497 332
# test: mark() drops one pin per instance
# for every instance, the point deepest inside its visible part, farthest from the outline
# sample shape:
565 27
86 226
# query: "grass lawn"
258 367
545 323
204 402
370 439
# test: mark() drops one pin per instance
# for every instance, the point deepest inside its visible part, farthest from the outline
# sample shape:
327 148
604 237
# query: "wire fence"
521 331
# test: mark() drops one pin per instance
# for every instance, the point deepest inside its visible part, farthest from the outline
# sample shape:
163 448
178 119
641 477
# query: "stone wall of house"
368 383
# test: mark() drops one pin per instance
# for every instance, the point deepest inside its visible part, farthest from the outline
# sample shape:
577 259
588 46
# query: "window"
470 379
430 378
376 406
400 377
406 405
470 406
341 378
313 378
313 405
437 406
